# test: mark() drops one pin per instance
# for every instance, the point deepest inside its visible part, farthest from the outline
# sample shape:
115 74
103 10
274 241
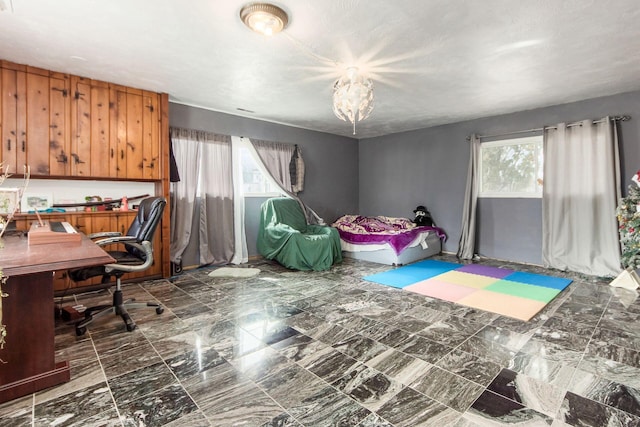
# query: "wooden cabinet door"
80 127
101 151
135 132
37 138
82 223
151 136
47 139
14 116
59 125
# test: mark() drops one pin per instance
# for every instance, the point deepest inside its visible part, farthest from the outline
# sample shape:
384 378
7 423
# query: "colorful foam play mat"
499 290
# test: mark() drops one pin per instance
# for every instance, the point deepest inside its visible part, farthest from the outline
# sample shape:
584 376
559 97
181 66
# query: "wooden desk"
28 358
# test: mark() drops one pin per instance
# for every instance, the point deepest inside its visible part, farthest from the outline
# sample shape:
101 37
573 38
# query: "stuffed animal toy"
423 217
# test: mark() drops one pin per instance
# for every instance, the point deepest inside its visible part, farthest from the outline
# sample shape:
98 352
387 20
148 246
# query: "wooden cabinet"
14 118
35 120
135 128
116 131
70 127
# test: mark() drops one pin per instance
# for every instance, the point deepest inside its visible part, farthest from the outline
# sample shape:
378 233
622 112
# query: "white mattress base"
384 254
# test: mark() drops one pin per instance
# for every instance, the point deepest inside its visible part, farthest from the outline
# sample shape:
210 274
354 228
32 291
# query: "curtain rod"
615 118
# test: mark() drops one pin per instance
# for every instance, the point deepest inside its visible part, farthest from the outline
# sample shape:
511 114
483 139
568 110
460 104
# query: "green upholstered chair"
285 236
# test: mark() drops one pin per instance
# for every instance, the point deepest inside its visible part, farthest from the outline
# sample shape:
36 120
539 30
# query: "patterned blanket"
397 232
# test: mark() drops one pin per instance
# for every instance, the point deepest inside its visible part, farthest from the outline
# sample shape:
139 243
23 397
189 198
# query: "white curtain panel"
241 252
467 244
580 195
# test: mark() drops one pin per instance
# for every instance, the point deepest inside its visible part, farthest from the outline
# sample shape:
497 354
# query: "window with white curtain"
255 183
511 168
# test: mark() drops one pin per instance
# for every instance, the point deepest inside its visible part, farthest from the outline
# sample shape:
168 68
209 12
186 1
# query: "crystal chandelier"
353 97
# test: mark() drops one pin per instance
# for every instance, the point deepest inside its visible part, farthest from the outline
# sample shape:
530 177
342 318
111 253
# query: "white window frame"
501 143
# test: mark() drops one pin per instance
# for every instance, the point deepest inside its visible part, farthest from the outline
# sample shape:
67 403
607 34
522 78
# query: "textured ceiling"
432 61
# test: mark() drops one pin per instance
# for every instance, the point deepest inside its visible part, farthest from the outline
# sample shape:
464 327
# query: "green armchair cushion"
285 236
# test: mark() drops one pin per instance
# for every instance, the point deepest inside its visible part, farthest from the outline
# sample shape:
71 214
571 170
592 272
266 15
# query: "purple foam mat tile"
486 270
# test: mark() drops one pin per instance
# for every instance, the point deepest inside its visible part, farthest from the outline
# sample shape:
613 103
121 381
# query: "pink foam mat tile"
443 290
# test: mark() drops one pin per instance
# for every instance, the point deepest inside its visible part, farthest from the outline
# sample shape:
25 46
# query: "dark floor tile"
299 347
623 355
280 385
425 349
327 408
260 363
491 407
447 388
329 365
282 420
141 382
120 363
579 411
158 408
532 393
359 347
193 362
604 336
451 330
368 387
565 332
192 419
549 371
399 366
611 393
74 407
469 366
412 409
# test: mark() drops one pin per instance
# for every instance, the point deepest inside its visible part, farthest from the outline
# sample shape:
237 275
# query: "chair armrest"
115 239
145 247
104 234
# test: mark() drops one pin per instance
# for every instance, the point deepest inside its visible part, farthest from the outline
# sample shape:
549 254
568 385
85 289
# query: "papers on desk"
45 232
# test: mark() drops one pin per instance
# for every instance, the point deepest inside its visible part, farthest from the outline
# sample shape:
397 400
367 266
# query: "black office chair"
137 256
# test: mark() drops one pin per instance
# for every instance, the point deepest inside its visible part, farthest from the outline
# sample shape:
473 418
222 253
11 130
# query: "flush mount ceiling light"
264 18
353 97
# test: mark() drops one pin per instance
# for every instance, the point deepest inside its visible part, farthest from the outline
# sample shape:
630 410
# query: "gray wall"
331 162
429 166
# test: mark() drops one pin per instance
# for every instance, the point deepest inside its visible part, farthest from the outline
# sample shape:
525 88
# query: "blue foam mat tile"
539 280
412 273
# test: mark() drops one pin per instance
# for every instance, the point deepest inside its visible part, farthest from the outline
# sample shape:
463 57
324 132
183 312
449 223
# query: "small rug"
234 272
499 290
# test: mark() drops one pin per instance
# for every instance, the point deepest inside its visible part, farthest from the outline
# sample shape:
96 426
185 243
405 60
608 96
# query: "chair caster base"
81 330
159 310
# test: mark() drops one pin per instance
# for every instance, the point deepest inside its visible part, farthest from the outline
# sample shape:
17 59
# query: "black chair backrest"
144 225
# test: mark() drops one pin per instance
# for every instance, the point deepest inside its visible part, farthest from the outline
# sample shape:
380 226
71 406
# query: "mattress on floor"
425 245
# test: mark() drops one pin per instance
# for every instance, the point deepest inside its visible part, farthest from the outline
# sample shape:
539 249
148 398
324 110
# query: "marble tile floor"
288 348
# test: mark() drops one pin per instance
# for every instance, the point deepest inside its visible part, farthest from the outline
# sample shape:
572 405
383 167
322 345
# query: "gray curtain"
580 195
186 150
467 244
276 157
204 195
216 211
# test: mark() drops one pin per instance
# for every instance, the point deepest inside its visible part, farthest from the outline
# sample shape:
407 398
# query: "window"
511 168
255 182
